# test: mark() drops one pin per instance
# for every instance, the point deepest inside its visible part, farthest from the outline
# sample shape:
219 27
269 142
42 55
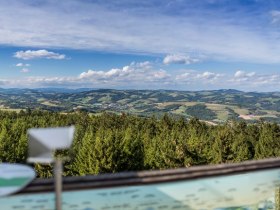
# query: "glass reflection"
258 190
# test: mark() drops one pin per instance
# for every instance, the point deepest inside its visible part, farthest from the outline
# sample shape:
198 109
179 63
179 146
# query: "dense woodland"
112 143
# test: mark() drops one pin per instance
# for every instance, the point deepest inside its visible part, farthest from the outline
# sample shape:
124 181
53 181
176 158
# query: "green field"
212 106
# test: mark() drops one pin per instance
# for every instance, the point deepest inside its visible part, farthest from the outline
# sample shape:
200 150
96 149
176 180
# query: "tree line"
108 142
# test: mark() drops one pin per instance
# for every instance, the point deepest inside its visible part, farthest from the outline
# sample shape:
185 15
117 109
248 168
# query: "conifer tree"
269 141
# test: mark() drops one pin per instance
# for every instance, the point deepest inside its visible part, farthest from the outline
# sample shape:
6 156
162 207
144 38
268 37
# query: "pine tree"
84 161
269 141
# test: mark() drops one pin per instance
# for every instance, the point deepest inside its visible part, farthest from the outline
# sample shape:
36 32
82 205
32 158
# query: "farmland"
214 106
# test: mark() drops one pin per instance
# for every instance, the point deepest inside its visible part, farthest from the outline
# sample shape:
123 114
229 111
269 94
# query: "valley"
215 106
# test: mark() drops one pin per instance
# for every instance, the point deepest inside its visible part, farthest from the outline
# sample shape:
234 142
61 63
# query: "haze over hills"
214 106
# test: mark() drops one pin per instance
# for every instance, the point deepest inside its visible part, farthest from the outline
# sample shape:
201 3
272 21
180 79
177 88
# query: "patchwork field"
213 106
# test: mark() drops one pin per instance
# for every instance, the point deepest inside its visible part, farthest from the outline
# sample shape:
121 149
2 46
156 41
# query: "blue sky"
148 44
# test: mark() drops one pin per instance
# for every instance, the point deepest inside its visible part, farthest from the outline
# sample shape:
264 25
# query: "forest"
109 143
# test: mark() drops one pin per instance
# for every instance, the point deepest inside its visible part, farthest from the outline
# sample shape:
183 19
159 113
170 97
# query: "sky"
148 44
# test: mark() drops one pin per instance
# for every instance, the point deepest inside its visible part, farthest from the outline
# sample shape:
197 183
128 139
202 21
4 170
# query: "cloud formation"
253 80
179 59
208 27
195 77
36 54
133 74
275 15
24 70
147 75
22 65
243 76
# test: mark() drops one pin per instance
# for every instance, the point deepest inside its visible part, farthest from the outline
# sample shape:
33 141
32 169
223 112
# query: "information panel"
248 190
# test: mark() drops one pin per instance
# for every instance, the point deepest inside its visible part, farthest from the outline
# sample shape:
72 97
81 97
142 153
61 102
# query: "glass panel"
244 191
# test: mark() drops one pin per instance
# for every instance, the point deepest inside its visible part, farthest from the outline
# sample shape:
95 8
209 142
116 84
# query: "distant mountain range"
213 106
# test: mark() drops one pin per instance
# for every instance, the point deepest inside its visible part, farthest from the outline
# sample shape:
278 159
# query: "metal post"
58 183
277 198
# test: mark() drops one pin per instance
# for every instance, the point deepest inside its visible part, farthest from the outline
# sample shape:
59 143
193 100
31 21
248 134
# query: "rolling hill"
213 106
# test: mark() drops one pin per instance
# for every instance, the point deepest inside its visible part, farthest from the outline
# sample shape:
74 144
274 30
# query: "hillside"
214 106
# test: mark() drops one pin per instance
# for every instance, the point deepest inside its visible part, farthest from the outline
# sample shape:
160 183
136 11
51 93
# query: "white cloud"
22 64
252 80
275 15
243 76
35 54
208 75
184 76
25 70
24 67
127 72
142 75
134 75
148 29
19 64
192 76
239 74
179 59
146 75
160 75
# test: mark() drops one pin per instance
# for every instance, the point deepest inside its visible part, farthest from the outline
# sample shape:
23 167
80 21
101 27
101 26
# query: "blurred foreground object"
247 185
14 177
43 142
